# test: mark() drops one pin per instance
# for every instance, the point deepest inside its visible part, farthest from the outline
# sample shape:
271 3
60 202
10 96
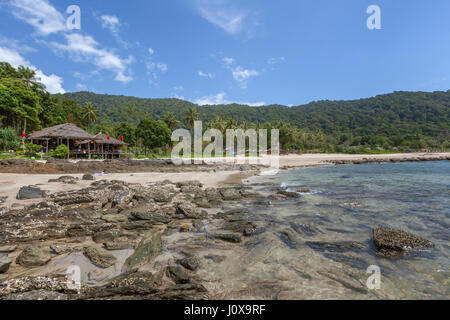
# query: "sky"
255 52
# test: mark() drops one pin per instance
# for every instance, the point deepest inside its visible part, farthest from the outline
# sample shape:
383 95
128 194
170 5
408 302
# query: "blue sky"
224 51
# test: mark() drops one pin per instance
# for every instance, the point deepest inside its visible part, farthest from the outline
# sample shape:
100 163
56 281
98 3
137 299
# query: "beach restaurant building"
79 142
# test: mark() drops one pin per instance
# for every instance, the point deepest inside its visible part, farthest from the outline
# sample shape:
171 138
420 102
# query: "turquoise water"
412 196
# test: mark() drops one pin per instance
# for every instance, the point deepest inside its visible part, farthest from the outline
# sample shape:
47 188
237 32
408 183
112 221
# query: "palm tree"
28 76
89 114
217 123
231 124
169 119
191 116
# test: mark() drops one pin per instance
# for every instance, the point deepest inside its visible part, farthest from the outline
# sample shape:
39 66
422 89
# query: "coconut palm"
191 116
217 123
89 114
28 76
169 119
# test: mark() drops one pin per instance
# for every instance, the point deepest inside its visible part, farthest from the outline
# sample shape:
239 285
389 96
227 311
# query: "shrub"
61 152
8 139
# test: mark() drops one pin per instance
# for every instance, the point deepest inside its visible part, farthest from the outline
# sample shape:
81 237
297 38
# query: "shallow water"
412 196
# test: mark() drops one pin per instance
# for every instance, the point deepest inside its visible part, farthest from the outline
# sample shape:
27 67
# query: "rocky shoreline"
151 241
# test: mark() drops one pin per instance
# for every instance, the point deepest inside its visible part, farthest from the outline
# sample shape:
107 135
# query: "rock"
114 218
304 229
63 249
99 256
149 248
5 262
118 246
230 194
289 238
123 198
392 242
289 194
213 196
228 237
30 192
33 256
185 228
106 236
3 199
185 291
193 183
37 295
177 274
304 190
191 263
336 246
153 217
7 249
191 212
88 177
65 179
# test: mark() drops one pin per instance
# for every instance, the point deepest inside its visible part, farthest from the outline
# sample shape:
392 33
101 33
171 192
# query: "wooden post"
46 149
68 147
89 148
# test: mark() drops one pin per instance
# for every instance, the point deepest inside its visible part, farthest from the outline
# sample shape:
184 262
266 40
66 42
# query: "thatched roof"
65 131
103 138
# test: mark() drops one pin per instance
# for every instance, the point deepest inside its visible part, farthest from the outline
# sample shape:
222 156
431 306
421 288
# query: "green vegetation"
61 152
401 121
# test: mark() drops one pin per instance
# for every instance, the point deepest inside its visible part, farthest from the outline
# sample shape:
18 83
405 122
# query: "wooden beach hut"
67 134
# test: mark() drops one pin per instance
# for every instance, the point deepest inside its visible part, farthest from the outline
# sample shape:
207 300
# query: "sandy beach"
10 183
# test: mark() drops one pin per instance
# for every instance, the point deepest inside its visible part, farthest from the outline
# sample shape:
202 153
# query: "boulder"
118 246
177 274
8 249
289 194
5 262
30 192
230 194
99 256
191 263
228 237
106 236
33 256
149 248
392 242
191 212
65 179
114 218
88 177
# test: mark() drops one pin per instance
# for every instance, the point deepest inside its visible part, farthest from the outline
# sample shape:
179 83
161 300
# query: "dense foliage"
401 120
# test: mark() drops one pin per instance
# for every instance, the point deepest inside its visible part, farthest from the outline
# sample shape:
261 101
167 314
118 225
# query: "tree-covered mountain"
395 114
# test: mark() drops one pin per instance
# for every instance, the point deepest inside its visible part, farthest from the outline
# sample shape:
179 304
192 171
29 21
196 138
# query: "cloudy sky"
222 51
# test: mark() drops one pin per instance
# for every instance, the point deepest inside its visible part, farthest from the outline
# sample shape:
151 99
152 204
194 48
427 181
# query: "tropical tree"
125 130
217 123
169 119
153 134
28 76
192 115
89 114
8 139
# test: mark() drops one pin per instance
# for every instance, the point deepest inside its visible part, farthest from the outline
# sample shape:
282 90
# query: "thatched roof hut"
63 131
103 138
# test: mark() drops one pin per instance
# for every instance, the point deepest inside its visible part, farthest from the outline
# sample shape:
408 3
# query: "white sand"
11 183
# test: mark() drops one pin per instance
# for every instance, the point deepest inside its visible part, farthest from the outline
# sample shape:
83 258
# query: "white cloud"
112 23
178 88
53 83
154 67
86 49
222 14
81 87
219 99
40 14
206 75
151 51
228 61
243 75
162 67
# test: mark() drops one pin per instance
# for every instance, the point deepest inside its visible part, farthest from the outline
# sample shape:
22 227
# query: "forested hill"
398 113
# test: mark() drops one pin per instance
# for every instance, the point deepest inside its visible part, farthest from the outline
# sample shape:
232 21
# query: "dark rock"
392 242
336 246
118 246
106 236
88 177
65 179
114 218
3 199
153 217
178 275
230 194
213 196
191 212
149 248
289 194
5 262
99 256
228 237
193 183
185 291
305 229
30 192
191 263
33 256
